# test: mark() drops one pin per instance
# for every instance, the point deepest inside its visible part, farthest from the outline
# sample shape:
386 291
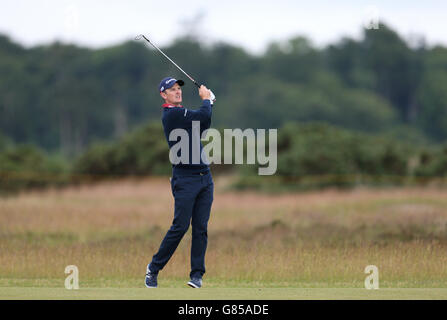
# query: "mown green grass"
221 293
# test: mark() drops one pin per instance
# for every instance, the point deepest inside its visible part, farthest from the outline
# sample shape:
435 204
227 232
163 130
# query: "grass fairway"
30 293
312 245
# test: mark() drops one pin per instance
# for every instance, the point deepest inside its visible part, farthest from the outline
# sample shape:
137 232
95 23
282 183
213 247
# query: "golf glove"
213 97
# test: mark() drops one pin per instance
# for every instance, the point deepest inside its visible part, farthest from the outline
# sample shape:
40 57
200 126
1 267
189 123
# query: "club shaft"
175 64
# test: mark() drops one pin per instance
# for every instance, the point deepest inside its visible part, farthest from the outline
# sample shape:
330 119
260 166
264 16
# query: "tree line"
63 97
68 111
309 156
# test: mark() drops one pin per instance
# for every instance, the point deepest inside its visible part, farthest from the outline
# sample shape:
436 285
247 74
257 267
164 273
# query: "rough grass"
321 239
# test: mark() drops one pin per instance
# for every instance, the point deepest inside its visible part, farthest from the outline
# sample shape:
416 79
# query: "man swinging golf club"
191 184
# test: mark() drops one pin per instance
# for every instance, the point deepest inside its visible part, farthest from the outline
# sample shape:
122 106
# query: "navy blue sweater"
179 117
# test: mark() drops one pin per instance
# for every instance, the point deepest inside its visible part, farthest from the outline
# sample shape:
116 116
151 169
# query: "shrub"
26 167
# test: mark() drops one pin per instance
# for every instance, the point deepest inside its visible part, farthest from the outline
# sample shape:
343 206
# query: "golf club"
142 36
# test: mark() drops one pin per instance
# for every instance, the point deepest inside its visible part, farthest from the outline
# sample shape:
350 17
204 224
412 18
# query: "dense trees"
62 99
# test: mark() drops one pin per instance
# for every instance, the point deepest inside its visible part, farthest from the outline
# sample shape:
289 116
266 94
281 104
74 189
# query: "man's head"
170 90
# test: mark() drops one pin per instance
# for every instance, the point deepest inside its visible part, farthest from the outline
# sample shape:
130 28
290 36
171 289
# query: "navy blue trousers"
193 196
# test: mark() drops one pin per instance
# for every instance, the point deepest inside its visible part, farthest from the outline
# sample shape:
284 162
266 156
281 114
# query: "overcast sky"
247 23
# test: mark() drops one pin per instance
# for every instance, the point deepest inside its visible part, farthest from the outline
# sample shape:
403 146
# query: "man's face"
173 95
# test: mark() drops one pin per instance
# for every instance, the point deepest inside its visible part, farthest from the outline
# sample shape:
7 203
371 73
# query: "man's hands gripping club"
205 93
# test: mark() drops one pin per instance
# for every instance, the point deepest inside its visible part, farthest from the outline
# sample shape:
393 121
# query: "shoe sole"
192 285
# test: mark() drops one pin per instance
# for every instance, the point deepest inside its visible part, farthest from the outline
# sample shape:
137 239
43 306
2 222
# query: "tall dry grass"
111 230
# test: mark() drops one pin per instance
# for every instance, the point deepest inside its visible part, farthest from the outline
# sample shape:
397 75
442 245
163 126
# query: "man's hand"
204 93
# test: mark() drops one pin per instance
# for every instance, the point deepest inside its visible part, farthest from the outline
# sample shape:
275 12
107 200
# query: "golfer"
191 184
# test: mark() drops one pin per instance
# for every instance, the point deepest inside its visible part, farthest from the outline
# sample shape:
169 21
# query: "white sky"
247 23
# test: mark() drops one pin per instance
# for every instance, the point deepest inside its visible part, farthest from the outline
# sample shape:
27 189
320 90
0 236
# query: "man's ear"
163 95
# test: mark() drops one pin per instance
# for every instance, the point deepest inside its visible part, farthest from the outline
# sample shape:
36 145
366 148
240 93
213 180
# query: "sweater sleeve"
203 114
